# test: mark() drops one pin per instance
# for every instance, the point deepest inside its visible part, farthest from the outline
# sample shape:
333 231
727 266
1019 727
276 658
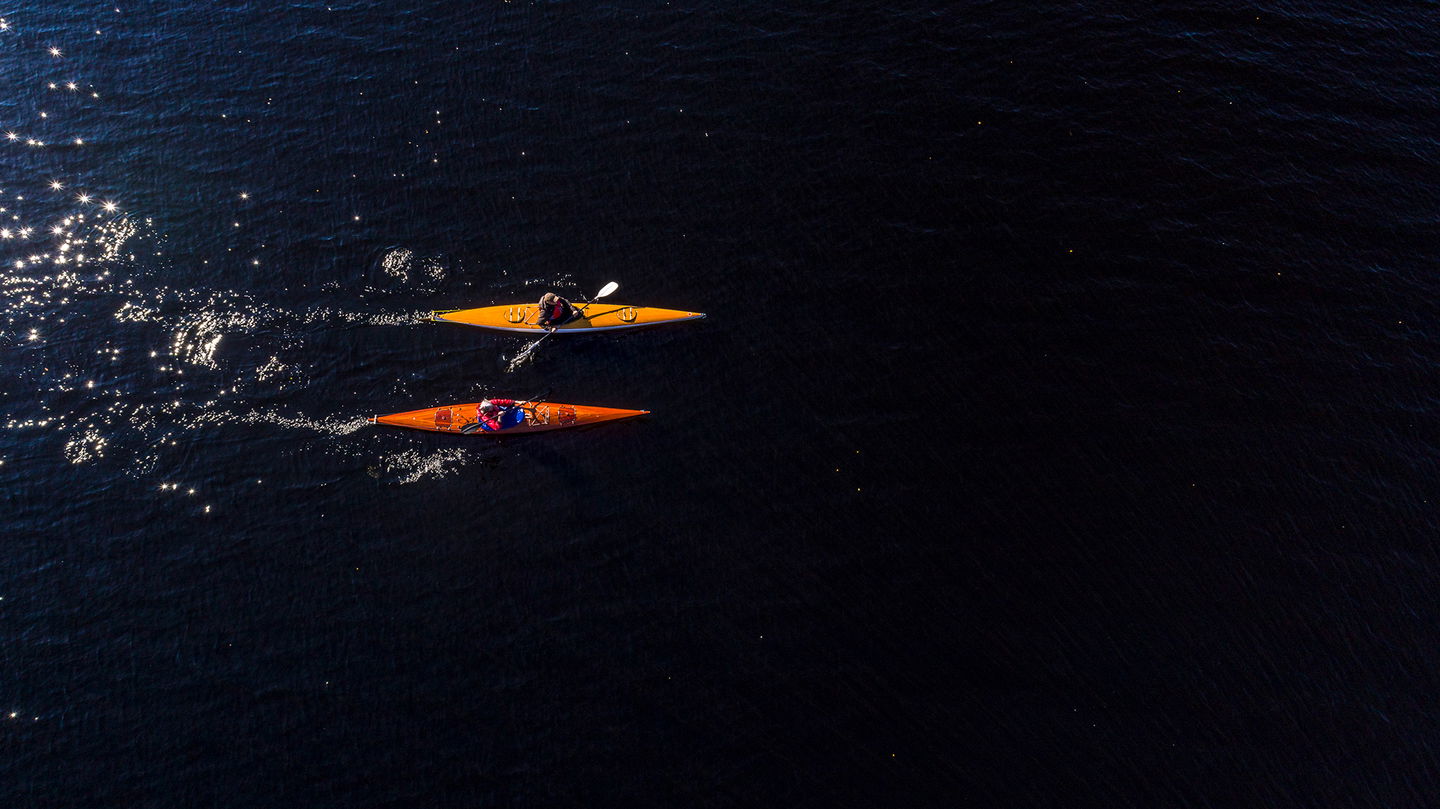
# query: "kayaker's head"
549 299
487 407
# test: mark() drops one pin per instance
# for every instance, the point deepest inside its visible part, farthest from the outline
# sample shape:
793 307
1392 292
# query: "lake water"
1059 433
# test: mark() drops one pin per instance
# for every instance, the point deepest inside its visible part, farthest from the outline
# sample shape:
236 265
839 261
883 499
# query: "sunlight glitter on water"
77 250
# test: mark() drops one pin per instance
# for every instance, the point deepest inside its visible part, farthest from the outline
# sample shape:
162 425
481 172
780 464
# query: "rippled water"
1058 432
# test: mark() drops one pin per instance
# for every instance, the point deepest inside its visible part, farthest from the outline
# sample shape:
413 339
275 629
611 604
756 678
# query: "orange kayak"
597 317
532 417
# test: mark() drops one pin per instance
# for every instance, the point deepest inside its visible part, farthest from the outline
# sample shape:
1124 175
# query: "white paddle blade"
606 290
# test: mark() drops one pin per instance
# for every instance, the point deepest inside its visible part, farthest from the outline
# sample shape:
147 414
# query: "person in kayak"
554 311
497 414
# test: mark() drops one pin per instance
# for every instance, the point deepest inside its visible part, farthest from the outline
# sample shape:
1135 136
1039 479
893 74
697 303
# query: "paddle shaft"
605 290
533 345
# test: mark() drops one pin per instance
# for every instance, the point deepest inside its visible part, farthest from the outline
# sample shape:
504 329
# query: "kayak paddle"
605 290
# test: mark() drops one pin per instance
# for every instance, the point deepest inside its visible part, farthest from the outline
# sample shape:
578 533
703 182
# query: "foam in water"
67 245
412 466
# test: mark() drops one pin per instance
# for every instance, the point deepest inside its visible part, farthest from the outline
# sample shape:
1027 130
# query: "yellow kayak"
520 317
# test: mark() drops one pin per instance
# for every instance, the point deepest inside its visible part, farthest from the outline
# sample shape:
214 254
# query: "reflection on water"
412 465
401 264
85 446
70 249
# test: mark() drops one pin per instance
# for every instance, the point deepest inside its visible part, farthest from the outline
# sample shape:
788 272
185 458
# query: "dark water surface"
1135 511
